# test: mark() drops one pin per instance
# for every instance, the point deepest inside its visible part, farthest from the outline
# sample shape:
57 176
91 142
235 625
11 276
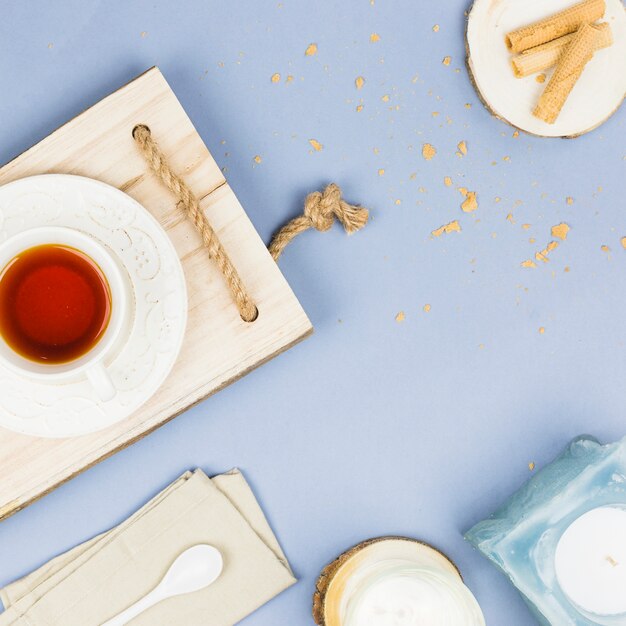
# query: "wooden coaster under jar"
395 577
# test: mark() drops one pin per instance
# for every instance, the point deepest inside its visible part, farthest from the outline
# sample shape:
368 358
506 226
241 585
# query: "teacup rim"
119 295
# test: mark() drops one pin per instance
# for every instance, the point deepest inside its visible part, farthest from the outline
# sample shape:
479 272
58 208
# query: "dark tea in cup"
55 304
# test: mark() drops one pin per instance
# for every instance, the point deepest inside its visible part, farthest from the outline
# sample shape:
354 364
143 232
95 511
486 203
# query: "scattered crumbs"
468 105
427 308
374 37
481 346
515 134
422 189
276 78
542 330
462 146
398 201
531 466
359 108
436 28
413 176
144 34
527 226
435 113
452 227
258 159
529 263
316 145
463 191
605 248
566 268
289 79
506 158
569 200
497 199
376 150
385 98
447 60
428 151
623 242
470 204
447 181
400 317
311 50
560 231
509 218
542 255
359 81
540 78
381 172
532 240
50 46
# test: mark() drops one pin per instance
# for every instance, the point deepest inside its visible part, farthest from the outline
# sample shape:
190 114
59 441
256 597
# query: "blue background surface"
371 426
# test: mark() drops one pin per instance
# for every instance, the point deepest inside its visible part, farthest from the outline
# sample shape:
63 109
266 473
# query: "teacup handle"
101 382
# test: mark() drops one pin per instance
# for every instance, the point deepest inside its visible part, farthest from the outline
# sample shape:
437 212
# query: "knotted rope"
320 211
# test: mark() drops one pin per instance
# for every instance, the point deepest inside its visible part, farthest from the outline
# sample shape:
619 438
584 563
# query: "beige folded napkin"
101 577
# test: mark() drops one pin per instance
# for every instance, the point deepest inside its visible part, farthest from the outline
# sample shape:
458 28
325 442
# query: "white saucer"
155 278
595 97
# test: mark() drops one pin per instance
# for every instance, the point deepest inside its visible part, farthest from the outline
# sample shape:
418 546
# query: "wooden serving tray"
99 144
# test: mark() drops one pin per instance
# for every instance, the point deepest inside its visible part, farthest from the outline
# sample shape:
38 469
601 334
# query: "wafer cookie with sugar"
546 55
568 70
563 23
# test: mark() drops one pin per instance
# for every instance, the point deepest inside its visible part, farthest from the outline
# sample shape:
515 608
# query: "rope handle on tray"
320 211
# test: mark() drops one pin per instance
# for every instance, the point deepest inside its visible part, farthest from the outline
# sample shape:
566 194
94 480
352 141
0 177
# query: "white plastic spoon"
195 569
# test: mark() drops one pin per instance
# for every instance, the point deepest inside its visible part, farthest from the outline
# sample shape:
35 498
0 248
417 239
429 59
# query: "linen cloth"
98 579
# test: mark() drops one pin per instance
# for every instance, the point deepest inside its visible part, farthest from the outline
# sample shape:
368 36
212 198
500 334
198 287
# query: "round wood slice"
335 576
596 96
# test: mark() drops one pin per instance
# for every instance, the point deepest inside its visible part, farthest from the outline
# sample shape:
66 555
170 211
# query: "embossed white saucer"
150 345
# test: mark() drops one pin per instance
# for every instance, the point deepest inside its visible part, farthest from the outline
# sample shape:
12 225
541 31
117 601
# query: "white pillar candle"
590 561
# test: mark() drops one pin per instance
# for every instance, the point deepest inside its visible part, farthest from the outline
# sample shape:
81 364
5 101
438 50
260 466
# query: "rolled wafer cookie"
563 23
568 70
545 56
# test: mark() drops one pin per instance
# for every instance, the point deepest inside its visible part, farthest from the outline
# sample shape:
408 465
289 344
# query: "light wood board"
99 144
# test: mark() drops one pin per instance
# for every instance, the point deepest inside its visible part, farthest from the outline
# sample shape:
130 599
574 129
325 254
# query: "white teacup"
91 364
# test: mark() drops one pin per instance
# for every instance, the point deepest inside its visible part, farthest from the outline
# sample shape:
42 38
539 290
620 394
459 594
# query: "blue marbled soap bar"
521 537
